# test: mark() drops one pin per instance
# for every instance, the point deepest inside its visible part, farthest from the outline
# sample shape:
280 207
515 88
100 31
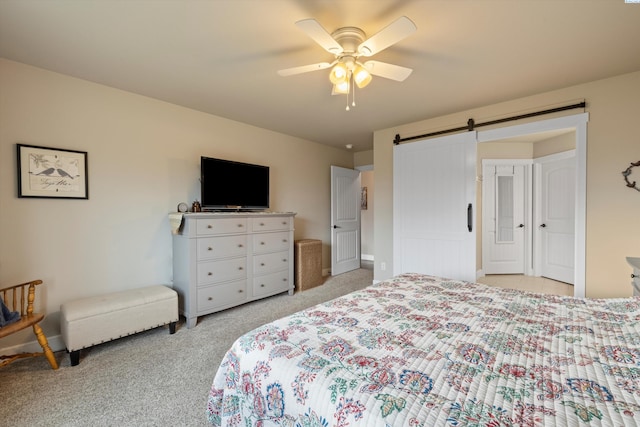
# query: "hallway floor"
527 283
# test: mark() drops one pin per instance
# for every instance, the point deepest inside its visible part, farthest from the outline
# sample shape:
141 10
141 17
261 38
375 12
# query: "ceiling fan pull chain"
348 91
353 96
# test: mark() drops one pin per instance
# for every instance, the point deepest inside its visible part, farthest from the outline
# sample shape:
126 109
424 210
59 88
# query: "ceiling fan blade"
314 30
304 69
388 71
391 34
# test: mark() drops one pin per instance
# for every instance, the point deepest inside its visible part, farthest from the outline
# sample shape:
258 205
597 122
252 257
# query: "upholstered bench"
89 321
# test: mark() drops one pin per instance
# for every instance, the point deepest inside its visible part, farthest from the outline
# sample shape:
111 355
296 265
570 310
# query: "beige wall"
363 158
143 158
612 208
557 144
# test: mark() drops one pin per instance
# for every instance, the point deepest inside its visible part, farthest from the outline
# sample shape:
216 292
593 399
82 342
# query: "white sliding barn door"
345 220
434 199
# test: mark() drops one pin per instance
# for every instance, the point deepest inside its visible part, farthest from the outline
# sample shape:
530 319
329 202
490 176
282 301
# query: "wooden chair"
20 298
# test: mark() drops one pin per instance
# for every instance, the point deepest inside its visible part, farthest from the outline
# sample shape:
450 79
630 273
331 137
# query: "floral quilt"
424 351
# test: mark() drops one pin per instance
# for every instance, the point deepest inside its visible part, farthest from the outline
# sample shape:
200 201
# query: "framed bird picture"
52 172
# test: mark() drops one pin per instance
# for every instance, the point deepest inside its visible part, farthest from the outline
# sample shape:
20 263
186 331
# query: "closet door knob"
521 226
543 225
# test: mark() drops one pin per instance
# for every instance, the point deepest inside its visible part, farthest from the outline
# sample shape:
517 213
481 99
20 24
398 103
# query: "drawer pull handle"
262 243
240 291
284 280
210 298
209 248
209 226
284 260
262 264
262 224
239 245
284 240
240 268
284 222
209 274
240 225
262 286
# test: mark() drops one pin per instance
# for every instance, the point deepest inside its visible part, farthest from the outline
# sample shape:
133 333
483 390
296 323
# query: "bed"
421 351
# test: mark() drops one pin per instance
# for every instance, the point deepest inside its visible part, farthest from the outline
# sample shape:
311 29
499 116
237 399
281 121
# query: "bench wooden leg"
74 356
172 327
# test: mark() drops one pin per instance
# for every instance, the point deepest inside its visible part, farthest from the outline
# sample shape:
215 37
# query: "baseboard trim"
366 257
55 342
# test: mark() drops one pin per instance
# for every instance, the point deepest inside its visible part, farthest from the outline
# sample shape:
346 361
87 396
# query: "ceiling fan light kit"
348 44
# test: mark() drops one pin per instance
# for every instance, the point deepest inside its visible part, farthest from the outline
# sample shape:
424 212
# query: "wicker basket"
308 264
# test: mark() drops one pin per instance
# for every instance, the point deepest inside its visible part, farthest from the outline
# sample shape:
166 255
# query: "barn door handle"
470 217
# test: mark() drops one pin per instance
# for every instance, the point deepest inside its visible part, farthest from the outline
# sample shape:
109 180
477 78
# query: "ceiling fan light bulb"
362 77
342 87
338 73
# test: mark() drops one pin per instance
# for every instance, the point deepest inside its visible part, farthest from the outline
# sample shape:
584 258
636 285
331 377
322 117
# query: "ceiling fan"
348 45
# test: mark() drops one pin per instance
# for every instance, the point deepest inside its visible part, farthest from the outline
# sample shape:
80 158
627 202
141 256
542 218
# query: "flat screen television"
229 185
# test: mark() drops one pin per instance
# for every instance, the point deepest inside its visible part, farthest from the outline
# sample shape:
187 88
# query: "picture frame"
363 198
45 172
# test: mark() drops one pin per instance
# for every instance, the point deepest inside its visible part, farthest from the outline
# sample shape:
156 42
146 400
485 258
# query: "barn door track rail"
472 125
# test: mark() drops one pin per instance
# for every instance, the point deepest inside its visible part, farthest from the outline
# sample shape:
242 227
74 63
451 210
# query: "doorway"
578 125
528 215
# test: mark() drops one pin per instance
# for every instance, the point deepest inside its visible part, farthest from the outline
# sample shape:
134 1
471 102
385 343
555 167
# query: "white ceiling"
221 56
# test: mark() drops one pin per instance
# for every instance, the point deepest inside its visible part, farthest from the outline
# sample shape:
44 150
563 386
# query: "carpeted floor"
149 379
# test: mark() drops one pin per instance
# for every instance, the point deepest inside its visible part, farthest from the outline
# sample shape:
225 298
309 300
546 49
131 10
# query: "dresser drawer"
269 263
271 242
210 226
219 247
222 296
270 224
221 271
271 283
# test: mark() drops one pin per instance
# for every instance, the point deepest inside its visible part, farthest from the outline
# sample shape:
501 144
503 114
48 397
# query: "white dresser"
221 260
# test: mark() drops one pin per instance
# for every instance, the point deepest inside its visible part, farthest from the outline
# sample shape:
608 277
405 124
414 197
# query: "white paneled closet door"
556 218
434 197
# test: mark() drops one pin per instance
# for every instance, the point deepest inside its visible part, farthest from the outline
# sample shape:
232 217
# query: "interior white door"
503 219
345 220
556 221
433 207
